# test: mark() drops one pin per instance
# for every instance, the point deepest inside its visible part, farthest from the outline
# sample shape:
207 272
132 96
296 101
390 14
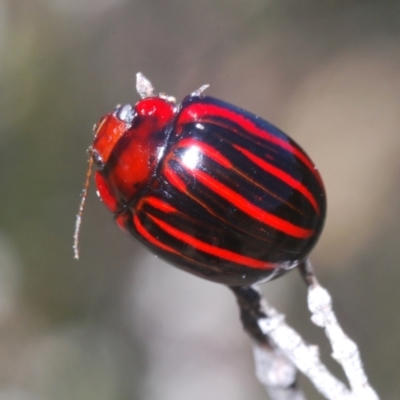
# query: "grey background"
120 324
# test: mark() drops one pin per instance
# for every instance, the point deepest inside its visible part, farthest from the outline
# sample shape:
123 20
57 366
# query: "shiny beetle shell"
209 187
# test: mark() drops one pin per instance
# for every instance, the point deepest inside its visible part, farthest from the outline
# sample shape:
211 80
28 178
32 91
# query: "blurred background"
119 323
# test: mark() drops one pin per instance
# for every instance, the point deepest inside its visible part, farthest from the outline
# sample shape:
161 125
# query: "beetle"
207 186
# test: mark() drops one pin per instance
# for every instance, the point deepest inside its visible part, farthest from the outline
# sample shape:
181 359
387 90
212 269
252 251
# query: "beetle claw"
200 91
144 87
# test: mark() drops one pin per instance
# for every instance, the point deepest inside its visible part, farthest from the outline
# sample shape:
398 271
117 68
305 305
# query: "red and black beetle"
208 187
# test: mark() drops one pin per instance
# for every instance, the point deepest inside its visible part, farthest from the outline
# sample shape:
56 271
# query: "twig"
279 351
273 368
345 350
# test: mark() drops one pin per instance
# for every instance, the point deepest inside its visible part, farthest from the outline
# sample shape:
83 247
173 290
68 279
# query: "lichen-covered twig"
344 350
279 351
273 368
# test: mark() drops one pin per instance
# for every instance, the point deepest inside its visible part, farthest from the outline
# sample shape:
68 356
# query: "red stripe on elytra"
278 173
197 111
208 150
159 204
210 249
149 237
253 211
174 179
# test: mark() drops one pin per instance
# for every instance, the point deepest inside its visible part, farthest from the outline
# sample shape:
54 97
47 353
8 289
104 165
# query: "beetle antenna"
81 206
